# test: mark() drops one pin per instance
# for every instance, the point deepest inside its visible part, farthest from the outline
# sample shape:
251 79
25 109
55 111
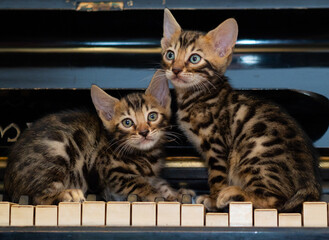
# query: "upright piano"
52 51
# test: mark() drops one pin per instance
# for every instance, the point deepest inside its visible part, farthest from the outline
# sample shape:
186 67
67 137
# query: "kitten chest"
189 124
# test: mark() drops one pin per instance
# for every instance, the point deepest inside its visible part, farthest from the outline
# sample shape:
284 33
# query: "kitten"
117 153
254 151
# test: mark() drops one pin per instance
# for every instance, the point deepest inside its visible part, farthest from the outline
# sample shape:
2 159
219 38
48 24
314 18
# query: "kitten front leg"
56 193
217 179
168 192
138 185
147 188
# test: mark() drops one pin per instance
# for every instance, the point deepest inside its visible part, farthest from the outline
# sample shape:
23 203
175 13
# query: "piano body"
52 51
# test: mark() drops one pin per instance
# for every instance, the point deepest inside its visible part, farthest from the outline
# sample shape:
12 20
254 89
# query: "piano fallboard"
162 233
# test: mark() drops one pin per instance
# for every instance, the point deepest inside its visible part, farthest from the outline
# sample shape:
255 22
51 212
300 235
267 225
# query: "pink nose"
144 133
176 70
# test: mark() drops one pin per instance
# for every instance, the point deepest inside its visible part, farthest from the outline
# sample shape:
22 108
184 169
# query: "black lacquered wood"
162 233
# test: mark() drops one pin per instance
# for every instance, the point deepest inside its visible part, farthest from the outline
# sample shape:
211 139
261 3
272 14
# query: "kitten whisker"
172 137
113 142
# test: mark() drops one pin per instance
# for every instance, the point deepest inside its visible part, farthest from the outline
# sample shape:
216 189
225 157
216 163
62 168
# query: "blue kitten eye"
170 55
127 122
153 116
195 58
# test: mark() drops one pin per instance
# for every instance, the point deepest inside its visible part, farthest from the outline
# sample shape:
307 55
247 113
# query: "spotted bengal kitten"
116 153
254 151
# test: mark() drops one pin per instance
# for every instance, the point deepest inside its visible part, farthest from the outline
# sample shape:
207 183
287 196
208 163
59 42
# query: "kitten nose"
176 70
144 133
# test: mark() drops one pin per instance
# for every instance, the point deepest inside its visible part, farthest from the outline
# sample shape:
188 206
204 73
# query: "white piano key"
290 220
240 214
168 213
217 219
266 218
192 215
46 215
93 213
315 214
69 214
118 213
143 214
5 213
22 215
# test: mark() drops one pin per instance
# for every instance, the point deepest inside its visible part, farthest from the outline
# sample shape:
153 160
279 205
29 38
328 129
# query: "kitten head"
190 58
137 121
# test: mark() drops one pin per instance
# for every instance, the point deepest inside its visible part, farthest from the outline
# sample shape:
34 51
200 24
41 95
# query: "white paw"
184 191
230 194
209 203
72 195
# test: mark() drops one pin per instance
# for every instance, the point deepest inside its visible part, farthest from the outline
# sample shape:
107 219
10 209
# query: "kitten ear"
170 27
159 88
103 103
224 37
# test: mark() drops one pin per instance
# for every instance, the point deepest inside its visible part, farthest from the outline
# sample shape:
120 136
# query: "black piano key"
159 199
132 198
24 200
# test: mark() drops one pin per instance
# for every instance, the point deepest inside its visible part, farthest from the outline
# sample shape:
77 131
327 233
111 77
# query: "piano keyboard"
161 214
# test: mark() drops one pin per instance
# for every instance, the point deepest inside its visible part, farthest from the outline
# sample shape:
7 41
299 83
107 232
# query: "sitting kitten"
117 153
254 151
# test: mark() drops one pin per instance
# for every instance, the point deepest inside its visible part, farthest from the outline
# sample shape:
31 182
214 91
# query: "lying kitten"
117 153
254 151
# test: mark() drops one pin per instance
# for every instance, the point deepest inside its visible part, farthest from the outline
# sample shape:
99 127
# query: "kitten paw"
184 191
71 195
230 194
207 201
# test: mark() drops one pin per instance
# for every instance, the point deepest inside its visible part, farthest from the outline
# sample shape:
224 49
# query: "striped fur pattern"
64 155
254 150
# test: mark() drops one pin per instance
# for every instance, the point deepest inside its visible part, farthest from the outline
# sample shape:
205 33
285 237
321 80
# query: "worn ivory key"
217 219
192 215
168 214
5 213
118 213
143 214
290 220
69 214
240 214
266 218
22 215
315 214
93 213
46 215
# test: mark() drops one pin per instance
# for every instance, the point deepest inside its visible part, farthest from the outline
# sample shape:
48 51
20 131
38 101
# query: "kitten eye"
170 55
127 122
195 58
153 116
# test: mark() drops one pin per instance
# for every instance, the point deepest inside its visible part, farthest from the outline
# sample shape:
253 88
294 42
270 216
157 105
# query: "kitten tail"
295 203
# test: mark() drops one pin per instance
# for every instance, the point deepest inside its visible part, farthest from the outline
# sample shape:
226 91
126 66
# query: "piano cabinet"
52 51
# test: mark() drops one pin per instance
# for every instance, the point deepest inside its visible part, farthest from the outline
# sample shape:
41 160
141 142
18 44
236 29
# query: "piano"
52 51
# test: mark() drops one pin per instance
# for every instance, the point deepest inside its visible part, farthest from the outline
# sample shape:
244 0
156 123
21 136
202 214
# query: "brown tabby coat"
254 151
65 154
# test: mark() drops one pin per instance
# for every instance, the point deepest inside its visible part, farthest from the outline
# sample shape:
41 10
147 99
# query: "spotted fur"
254 150
64 155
